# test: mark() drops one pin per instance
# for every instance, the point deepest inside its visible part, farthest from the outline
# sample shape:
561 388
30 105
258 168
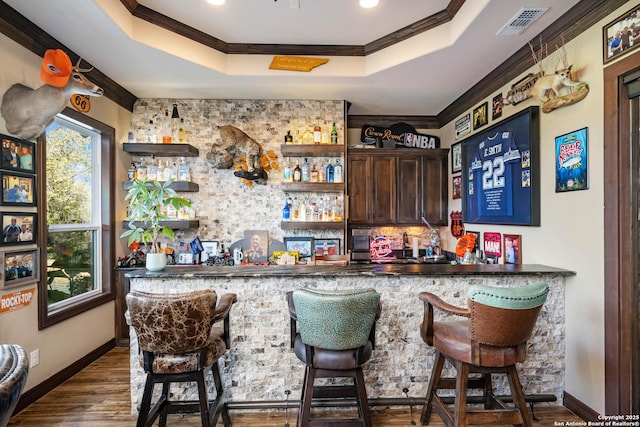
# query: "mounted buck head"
27 112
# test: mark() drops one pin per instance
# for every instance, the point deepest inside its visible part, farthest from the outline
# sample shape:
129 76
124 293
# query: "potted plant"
148 201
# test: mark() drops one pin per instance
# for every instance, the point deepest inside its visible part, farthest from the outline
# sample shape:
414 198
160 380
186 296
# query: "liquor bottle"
174 171
313 174
325 137
321 175
337 172
166 128
295 210
317 134
182 132
131 172
297 173
151 134
329 174
306 172
320 208
152 170
286 212
303 211
175 124
334 134
286 175
142 170
183 170
168 172
288 138
160 171
326 211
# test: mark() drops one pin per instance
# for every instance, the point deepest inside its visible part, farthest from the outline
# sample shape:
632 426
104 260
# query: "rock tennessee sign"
397 135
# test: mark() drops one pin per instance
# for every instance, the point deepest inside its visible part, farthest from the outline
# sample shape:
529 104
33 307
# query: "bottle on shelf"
182 132
297 173
286 174
337 209
321 175
325 137
317 134
306 171
286 211
167 173
151 134
166 128
183 170
303 211
295 210
142 170
174 171
288 138
313 174
337 172
334 134
131 172
319 208
160 171
152 170
329 174
175 124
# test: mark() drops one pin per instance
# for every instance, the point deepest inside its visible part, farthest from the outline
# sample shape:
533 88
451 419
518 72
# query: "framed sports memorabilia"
501 172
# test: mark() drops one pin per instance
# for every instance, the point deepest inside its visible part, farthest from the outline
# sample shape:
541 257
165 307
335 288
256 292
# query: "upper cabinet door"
359 188
383 186
409 187
434 190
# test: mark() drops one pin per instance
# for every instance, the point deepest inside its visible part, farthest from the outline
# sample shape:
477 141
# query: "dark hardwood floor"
99 397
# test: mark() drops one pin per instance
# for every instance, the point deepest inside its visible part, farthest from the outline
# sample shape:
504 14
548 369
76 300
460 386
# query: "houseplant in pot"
148 201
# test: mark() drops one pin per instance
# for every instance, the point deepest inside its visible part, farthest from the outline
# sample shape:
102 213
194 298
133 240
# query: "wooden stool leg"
145 404
518 395
204 401
307 396
488 392
163 413
434 381
363 406
460 404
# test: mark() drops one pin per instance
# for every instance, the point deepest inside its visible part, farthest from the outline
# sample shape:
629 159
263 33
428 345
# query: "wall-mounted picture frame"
20 268
327 246
18 228
496 187
496 107
463 125
478 244
456 186
617 35
512 244
571 161
480 115
303 245
17 189
18 154
210 250
456 157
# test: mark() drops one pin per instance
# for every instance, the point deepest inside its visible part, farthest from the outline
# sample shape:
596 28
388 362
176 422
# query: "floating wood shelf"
320 187
184 186
161 150
300 150
312 225
180 224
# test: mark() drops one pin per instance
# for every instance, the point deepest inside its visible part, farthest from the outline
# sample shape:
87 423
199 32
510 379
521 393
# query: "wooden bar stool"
335 338
177 342
490 338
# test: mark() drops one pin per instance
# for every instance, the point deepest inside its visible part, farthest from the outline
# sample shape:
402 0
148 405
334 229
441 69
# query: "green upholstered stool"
332 332
490 338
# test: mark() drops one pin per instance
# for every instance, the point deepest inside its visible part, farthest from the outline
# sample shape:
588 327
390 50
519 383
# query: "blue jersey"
492 175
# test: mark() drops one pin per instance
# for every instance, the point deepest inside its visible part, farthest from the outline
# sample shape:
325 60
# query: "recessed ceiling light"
216 2
368 3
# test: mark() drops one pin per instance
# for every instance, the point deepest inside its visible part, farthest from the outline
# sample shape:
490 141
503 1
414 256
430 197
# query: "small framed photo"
496 107
18 189
480 116
303 245
18 228
18 154
185 258
512 248
327 246
457 187
256 243
463 125
456 157
571 161
619 35
20 268
211 249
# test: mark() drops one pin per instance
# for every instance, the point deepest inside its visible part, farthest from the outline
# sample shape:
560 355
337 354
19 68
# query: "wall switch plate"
35 358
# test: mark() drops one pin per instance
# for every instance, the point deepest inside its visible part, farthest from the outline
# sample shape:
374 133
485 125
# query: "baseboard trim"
35 393
579 408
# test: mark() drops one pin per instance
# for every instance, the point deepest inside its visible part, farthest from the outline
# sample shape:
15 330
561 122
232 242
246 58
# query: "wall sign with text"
501 172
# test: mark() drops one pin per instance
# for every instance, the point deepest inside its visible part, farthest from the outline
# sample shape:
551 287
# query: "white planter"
156 262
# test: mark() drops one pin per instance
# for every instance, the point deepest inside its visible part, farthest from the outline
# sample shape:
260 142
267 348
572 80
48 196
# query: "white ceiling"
419 76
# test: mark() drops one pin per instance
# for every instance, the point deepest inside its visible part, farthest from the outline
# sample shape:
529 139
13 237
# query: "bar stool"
491 338
177 342
14 370
335 338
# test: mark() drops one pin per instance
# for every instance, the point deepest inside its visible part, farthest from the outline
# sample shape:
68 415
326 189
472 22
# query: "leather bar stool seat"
14 370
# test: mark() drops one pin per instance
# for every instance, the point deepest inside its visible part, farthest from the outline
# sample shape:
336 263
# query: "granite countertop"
351 270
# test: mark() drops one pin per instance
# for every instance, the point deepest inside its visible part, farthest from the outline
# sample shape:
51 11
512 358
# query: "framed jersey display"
500 172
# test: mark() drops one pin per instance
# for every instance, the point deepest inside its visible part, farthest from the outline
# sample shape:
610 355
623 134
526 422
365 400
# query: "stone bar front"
260 365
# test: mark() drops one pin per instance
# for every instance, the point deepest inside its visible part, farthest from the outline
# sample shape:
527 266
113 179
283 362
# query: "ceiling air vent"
521 21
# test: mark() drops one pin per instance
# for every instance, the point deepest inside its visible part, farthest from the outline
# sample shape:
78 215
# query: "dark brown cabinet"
391 187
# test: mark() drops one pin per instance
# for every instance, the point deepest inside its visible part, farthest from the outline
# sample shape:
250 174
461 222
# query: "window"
76 237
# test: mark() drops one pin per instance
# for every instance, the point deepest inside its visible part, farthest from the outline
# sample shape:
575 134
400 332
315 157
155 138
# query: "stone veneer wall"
260 364
224 205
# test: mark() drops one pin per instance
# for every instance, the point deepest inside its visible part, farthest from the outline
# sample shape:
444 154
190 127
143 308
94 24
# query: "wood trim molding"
418 122
618 242
35 393
579 408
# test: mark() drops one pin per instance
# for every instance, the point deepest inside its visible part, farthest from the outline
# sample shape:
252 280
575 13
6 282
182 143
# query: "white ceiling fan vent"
521 21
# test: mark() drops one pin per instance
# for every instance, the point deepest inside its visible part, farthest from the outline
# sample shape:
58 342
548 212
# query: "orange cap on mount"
56 68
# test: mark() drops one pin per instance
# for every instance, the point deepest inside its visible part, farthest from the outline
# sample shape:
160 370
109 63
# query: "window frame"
48 318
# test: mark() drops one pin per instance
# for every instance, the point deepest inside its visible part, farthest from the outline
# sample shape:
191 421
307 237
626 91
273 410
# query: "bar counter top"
351 270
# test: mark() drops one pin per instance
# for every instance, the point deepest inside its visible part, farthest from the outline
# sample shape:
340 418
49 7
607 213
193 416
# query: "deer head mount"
27 111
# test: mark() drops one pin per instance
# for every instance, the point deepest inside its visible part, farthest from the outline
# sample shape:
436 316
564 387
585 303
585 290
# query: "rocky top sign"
397 135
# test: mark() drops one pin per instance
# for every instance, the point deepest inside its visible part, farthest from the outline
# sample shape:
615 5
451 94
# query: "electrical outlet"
35 358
